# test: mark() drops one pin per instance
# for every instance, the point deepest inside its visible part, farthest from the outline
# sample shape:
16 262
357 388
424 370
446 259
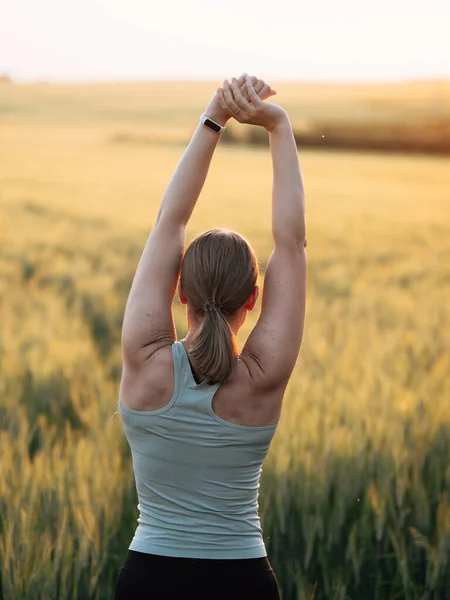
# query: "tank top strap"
184 375
180 368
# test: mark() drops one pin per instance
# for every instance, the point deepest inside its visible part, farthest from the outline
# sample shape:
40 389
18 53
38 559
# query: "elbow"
300 243
295 244
291 234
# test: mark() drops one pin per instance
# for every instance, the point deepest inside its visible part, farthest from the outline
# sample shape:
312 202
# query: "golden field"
355 492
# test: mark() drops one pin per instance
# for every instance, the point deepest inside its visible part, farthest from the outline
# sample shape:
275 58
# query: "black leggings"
153 577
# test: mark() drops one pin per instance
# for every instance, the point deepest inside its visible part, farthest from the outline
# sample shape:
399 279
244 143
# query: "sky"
319 40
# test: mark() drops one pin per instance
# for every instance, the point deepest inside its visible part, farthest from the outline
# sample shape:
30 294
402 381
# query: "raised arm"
275 341
148 323
273 346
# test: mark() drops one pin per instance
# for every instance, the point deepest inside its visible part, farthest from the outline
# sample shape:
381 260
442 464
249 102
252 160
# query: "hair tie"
211 306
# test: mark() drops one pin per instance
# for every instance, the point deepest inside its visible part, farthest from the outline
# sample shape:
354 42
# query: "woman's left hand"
214 109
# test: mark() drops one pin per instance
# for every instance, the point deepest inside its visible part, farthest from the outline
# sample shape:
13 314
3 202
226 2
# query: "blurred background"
98 101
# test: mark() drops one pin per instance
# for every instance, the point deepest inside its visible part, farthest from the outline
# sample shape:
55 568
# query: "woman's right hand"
253 110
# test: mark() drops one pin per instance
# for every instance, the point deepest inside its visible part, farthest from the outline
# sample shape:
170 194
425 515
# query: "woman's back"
197 474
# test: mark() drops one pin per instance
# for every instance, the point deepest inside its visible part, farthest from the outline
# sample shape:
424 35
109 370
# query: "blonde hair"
218 274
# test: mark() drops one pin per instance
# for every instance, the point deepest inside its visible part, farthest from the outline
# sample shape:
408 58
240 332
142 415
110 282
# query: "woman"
198 416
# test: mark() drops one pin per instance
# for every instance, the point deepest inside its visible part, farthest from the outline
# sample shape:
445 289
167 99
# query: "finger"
223 103
253 96
241 79
268 95
230 96
255 82
258 86
239 98
232 111
242 83
265 91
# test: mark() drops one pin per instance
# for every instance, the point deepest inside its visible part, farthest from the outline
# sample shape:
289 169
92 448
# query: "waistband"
142 561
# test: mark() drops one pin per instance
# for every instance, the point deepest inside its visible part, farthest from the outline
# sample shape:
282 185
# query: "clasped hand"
243 100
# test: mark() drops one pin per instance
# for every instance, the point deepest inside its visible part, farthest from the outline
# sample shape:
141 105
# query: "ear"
181 294
250 304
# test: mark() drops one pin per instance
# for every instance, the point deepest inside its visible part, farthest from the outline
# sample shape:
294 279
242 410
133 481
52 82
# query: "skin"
269 355
221 113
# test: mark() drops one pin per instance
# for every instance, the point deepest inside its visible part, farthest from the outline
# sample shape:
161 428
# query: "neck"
195 321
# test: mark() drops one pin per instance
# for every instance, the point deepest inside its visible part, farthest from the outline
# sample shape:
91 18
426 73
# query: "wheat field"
355 491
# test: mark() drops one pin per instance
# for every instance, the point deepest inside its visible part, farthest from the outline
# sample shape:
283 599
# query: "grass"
355 492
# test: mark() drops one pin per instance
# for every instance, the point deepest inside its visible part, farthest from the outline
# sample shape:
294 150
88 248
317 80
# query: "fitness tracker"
216 127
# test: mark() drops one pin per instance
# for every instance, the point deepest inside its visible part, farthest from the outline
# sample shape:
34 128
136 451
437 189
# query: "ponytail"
214 348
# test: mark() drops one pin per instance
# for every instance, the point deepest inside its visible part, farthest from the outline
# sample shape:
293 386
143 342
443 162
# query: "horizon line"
10 79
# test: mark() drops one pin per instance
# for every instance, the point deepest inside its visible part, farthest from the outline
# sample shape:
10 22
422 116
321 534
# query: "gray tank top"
197 475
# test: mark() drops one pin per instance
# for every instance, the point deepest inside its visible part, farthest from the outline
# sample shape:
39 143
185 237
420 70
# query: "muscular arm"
148 322
288 195
275 341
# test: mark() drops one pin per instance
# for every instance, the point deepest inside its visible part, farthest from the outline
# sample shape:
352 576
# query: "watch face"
213 125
